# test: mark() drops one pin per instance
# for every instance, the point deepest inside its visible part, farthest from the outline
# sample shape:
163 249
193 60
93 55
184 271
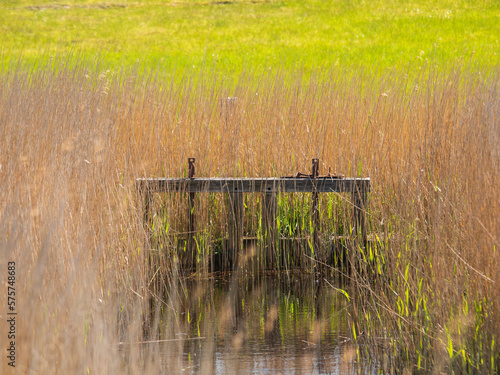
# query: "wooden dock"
269 188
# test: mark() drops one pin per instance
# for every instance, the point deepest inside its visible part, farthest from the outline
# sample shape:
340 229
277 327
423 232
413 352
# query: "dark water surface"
267 325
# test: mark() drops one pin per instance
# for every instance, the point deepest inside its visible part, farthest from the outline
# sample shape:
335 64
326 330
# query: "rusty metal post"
315 168
191 257
191 167
315 208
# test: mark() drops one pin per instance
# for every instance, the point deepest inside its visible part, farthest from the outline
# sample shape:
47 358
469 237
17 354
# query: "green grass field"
236 35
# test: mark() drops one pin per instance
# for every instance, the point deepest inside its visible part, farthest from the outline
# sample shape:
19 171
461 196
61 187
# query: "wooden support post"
315 211
146 197
269 230
235 240
359 197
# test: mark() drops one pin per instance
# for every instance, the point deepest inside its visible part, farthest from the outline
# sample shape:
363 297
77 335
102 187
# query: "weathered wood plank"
254 185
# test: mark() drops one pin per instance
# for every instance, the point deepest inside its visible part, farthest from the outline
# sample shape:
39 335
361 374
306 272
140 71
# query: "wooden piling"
359 198
315 209
270 230
235 229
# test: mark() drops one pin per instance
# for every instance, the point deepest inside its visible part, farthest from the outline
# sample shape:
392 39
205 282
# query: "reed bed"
76 137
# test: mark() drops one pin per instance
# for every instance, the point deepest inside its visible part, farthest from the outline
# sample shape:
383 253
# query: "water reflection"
285 325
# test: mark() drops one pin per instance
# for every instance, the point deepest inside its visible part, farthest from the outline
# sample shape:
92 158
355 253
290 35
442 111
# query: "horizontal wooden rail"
255 185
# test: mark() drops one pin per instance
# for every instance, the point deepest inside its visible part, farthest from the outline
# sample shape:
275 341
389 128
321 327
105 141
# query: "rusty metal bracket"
191 167
190 259
315 208
315 168
315 173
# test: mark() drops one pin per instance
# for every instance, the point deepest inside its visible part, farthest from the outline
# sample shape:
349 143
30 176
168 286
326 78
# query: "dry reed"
74 139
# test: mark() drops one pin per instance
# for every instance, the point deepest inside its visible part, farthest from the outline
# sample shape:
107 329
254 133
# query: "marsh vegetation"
75 138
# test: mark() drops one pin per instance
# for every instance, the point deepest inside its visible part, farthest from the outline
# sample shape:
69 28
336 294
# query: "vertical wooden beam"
359 202
235 240
362 220
145 197
269 230
315 210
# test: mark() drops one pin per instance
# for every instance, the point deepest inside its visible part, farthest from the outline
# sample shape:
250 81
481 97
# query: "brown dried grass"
74 139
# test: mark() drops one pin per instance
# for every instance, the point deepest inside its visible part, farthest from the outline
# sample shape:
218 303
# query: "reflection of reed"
257 324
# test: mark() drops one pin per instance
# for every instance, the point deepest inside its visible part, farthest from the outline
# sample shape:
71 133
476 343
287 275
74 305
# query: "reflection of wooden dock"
269 188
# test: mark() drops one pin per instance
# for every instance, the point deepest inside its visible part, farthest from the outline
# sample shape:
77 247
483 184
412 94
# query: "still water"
268 325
